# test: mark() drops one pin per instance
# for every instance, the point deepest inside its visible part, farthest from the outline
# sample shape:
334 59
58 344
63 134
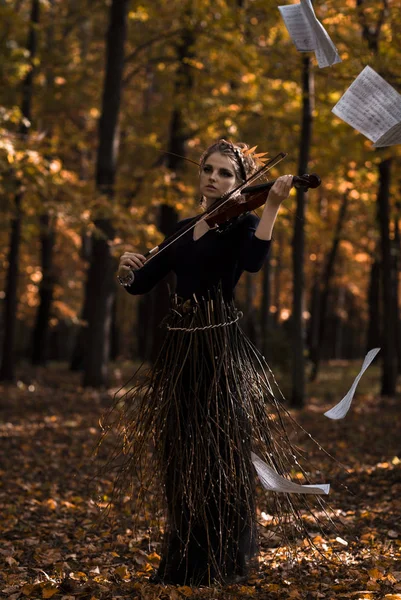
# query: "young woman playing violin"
223 167
207 403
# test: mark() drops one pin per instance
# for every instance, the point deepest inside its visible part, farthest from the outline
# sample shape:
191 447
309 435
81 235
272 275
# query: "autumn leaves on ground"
54 542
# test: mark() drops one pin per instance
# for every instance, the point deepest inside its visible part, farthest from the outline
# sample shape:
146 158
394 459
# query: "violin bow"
269 165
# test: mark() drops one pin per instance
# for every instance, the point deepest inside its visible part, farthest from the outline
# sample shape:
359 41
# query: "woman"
202 407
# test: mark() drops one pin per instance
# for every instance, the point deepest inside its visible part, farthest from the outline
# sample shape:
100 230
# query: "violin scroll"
308 181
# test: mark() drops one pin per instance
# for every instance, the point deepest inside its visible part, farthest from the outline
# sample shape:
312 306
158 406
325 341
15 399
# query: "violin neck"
305 181
262 187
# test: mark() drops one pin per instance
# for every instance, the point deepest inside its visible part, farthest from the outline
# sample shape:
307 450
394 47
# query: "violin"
256 195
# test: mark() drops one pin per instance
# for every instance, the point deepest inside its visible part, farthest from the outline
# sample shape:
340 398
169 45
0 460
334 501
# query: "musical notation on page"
373 107
308 34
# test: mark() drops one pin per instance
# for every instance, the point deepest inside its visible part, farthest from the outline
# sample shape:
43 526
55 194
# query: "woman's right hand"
130 261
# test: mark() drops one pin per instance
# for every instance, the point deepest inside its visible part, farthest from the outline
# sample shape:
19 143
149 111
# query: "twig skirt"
185 432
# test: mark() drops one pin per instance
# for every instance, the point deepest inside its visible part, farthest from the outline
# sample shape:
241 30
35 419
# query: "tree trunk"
161 297
276 262
327 276
340 324
11 300
81 339
265 315
100 286
40 335
115 333
314 321
374 335
81 342
371 27
158 299
41 328
396 284
389 354
298 243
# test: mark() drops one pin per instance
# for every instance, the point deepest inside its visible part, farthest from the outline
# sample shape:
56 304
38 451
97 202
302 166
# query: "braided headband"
238 156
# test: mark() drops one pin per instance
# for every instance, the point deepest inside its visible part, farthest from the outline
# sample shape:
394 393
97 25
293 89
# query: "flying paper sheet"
308 34
340 410
372 107
274 482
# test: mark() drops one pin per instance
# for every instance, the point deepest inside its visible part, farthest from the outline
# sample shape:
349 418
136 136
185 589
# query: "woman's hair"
244 164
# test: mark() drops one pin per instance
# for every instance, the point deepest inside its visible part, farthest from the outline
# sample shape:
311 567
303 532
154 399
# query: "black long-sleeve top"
202 265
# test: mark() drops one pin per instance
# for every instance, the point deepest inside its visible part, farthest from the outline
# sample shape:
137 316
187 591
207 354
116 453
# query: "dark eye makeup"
222 172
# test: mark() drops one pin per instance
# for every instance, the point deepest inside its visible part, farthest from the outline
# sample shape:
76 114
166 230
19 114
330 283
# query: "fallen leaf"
154 557
375 574
123 572
27 589
49 591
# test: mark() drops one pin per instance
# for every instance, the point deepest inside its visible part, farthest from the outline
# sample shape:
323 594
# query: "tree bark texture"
46 287
158 300
40 337
396 264
371 32
325 285
298 242
374 291
276 263
7 368
265 315
101 284
389 353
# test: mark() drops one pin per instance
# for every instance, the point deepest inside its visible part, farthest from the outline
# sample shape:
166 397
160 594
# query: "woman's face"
217 177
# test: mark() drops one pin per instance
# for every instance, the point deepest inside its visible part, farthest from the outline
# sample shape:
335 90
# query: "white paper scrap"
274 482
340 410
341 541
308 34
373 107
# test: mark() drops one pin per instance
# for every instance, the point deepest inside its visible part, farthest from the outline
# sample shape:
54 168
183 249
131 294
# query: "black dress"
216 259
192 420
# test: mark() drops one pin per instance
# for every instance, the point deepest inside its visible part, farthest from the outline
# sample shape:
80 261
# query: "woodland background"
92 94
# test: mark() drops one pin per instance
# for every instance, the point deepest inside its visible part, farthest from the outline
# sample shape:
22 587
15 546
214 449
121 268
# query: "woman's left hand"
280 190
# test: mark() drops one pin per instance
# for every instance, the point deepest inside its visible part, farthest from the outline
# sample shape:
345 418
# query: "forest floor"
55 543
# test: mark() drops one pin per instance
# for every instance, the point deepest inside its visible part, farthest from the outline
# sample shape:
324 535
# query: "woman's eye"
226 174
207 169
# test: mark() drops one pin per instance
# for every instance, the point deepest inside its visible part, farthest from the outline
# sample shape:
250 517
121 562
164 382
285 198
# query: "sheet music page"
340 410
325 51
370 105
272 481
390 138
298 27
